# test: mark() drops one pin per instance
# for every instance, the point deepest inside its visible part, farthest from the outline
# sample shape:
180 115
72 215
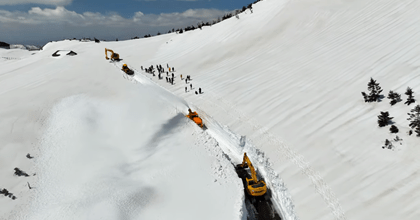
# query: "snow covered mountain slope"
104 148
288 76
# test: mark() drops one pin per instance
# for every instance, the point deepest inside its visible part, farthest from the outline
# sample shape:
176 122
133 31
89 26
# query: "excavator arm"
247 163
114 56
254 186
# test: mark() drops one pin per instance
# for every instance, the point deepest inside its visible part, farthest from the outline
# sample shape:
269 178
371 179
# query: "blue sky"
39 21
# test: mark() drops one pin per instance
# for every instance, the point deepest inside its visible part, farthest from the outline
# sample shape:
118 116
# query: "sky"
37 22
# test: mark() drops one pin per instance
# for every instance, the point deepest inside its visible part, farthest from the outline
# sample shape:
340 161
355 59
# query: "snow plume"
107 140
126 158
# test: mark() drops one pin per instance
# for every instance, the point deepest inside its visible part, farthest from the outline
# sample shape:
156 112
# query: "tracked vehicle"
194 116
114 56
257 196
254 187
127 70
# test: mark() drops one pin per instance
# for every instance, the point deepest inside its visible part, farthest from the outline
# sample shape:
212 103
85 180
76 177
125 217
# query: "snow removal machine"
194 116
254 187
127 70
257 196
114 56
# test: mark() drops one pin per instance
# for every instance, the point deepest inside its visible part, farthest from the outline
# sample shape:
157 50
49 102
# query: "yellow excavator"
194 116
254 187
114 56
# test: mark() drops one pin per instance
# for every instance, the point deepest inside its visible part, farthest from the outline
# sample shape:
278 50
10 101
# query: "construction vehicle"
114 56
254 187
127 70
194 116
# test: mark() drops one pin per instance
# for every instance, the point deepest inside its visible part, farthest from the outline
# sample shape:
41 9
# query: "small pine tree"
384 119
375 91
410 98
414 118
393 129
395 97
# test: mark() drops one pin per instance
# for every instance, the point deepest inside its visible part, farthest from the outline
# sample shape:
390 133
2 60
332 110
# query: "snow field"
288 77
106 148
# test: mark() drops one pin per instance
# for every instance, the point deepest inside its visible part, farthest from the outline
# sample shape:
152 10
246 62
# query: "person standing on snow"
199 90
191 85
185 89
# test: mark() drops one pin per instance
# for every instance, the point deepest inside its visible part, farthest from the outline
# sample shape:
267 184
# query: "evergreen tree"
375 91
395 97
384 119
410 98
393 129
414 118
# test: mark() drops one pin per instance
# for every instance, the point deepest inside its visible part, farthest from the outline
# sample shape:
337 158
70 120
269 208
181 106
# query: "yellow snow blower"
194 116
127 70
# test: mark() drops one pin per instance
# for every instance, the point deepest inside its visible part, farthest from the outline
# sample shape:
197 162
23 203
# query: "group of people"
188 78
170 78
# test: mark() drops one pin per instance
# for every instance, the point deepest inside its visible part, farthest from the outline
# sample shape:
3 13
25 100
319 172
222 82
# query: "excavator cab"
114 56
254 187
194 116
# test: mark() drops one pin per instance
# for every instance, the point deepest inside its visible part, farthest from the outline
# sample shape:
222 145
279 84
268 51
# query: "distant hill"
18 46
4 45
